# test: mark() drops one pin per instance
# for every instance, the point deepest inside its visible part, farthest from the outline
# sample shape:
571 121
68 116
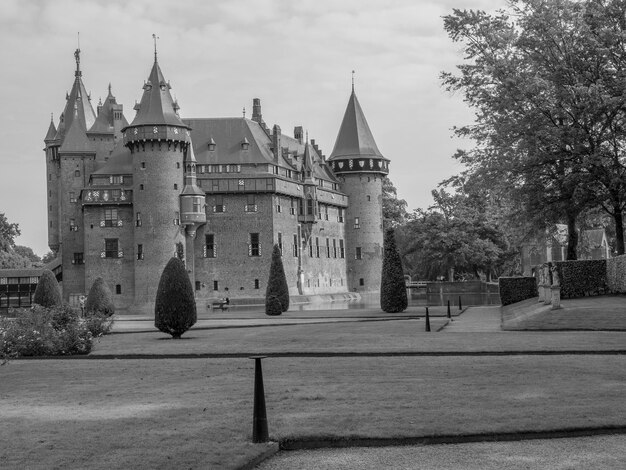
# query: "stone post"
539 275
547 292
555 289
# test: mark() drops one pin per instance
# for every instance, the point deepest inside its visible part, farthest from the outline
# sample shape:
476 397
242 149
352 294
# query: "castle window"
177 164
280 243
118 289
216 285
78 258
219 204
73 226
140 251
254 247
317 247
175 186
334 248
141 187
138 219
143 165
311 248
292 208
111 248
76 173
256 283
358 254
369 198
198 285
176 218
357 223
209 246
325 212
319 211
72 196
251 203
361 282
110 218
197 204
116 180
340 214
328 248
278 207
309 206
341 249
301 206
295 245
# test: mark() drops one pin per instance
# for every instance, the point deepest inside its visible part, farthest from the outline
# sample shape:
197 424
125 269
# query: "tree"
546 82
28 253
277 288
11 260
175 306
48 257
99 299
394 209
8 232
393 297
48 294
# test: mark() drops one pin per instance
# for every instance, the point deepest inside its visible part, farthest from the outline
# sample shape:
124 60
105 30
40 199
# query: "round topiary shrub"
392 287
175 306
47 294
277 288
100 299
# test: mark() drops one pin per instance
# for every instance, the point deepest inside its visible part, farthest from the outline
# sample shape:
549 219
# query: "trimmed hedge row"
516 289
582 278
616 274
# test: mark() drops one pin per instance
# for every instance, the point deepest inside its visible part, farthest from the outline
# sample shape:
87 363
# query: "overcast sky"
296 56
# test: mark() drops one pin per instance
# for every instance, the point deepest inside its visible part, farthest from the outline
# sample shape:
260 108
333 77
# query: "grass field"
197 413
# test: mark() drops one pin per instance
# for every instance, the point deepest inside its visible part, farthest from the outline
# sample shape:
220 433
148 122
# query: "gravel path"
598 453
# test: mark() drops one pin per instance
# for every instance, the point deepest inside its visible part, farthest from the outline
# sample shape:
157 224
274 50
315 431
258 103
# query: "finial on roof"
77 58
244 112
353 81
109 88
155 37
51 117
307 137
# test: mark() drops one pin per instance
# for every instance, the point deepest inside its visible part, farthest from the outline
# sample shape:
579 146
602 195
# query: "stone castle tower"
216 192
361 167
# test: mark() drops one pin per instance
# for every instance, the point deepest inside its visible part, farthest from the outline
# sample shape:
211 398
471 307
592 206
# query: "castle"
217 192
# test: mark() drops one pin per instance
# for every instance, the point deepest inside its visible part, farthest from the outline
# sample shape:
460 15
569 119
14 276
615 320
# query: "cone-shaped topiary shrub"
277 289
175 306
48 293
392 288
100 299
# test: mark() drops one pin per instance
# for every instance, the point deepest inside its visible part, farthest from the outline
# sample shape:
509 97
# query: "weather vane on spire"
77 56
155 37
353 81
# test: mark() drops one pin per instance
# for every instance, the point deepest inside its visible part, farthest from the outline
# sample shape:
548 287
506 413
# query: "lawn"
196 413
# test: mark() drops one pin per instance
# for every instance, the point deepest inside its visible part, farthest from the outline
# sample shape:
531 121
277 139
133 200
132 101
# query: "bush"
393 297
42 331
581 278
47 293
175 306
100 299
616 274
98 324
516 289
277 288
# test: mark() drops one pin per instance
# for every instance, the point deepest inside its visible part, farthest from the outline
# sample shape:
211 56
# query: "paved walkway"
476 320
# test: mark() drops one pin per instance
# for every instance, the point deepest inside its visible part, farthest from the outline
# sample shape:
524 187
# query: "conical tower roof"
76 140
355 138
52 132
191 186
157 106
78 105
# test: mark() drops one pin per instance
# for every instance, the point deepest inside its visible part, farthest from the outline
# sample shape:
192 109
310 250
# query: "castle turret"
361 168
52 170
158 140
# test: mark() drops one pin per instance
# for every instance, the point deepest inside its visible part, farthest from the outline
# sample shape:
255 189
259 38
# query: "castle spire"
155 37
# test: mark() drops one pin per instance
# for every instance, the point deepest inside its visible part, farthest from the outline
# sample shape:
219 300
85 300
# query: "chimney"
256 110
276 145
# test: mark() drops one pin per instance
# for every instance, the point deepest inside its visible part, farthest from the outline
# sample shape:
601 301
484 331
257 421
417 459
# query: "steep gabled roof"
76 140
119 163
156 105
52 132
104 122
355 138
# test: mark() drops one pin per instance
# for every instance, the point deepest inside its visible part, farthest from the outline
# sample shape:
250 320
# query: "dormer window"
212 145
245 144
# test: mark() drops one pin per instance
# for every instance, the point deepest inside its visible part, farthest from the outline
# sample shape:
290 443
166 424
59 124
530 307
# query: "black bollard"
449 315
259 417
427 320
460 308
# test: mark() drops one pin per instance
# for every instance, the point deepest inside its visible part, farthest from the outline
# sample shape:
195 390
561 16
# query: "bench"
220 304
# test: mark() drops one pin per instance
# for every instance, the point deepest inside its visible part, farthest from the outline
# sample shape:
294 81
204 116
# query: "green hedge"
616 274
516 289
582 278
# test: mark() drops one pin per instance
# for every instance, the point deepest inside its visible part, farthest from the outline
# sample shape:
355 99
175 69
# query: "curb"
270 452
608 352
314 442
